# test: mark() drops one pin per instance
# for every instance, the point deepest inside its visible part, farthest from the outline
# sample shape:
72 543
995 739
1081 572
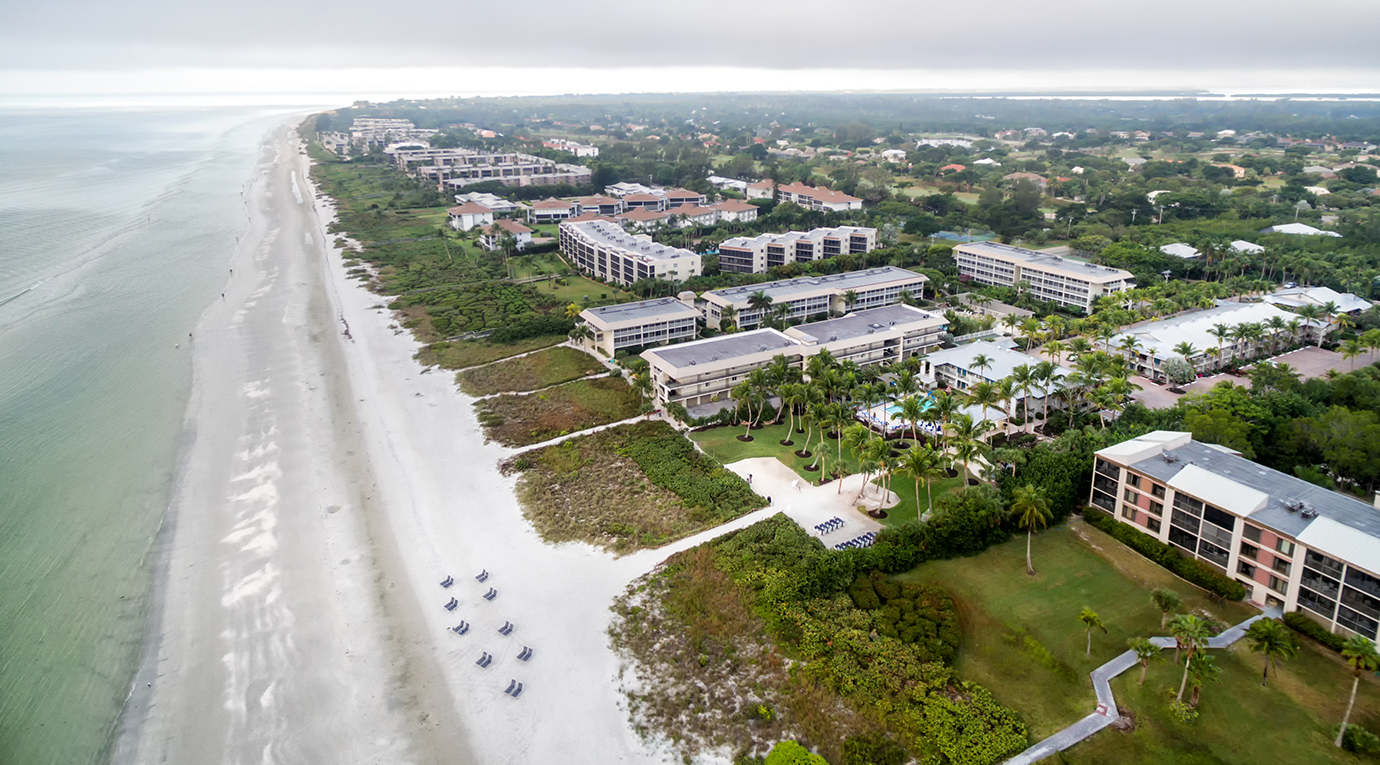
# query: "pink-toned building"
1289 542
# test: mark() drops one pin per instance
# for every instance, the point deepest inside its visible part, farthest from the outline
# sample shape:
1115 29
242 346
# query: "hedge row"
1302 624
669 460
1194 571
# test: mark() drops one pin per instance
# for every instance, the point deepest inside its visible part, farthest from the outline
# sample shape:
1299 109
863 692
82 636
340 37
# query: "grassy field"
524 420
462 354
577 288
1022 639
627 488
723 445
531 372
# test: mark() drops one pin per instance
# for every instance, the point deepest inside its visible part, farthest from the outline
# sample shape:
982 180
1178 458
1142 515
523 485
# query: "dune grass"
463 354
531 372
522 420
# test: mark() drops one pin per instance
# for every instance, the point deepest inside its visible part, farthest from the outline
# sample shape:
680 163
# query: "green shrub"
873 749
792 753
922 616
1300 623
1194 571
972 729
1359 740
670 460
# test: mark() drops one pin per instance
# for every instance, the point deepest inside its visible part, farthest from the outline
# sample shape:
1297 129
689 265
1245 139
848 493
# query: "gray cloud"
1174 35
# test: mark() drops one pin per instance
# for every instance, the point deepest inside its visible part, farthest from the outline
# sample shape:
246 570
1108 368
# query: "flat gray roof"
1037 258
787 288
725 347
1282 488
613 234
642 309
863 323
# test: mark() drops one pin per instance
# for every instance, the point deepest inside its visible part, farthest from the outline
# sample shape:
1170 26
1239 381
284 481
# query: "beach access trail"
329 483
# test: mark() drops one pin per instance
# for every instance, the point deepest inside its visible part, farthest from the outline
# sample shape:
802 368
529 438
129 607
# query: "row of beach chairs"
485 658
833 524
865 540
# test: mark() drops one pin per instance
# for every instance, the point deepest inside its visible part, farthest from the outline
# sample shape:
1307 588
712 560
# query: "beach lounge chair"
511 686
506 629
491 594
448 581
482 575
461 628
517 691
525 654
452 604
485 660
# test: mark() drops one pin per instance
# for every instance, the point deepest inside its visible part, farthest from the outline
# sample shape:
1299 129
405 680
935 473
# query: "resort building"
1050 277
1158 341
605 251
457 168
552 210
810 197
646 322
598 205
1289 542
736 211
1295 298
648 201
498 204
756 254
814 295
959 368
469 215
492 238
705 371
681 197
578 149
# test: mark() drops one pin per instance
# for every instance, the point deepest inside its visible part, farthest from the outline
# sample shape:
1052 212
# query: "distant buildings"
705 371
754 255
457 168
1181 250
492 238
1290 543
1298 229
1049 277
1159 341
604 250
469 215
578 149
1297 297
809 197
811 296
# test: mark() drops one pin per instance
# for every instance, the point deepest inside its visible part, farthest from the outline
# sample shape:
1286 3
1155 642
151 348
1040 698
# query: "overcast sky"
163 44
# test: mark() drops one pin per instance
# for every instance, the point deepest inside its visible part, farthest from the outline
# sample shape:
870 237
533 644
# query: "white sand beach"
328 487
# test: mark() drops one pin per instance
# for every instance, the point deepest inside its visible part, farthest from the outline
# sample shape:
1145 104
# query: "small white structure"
469 215
1181 250
1298 297
1298 229
1246 248
988 161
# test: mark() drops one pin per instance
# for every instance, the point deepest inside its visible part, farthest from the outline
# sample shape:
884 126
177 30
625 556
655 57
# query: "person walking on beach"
749 479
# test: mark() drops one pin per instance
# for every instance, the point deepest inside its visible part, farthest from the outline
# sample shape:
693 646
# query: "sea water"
116 229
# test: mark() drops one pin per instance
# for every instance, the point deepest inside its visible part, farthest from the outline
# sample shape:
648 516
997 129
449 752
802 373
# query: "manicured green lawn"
723 445
1022 639
579 287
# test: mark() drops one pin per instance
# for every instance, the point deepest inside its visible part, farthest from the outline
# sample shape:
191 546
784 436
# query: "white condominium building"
1051 277
810 197
756 254
1289 542
604 250
457 168
705 371
646 322
814 295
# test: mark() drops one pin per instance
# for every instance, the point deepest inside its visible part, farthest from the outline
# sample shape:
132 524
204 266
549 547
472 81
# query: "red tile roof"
551 203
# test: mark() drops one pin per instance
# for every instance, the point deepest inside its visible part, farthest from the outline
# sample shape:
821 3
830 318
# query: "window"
1278 585
1130 496
1157 490
1282 566
1249 551
1252 533
1323 564
1134 480
1153 525
1285 546
1128 512
1218 518
1156 508
1242 567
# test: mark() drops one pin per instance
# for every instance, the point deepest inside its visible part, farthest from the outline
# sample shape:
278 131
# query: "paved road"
1106 712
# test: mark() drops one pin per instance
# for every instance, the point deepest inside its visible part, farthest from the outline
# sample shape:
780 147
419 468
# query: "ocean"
116 226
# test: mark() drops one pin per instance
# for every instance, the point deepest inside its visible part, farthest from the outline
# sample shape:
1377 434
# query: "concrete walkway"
1106 712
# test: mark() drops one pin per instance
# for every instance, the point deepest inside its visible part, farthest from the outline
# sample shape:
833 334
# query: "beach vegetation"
523 420
627 488
463 354
541 369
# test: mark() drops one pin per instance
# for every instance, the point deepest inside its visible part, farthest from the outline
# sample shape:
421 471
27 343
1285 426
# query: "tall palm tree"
1272 639
1146 652
1310 314
1191 634
1201 667
1024 383
743 394
1221 332
1167 601
1351 349
984 394
1056 348
1187 351
911 411
924 465
1078 346
1092 621
943 407
1359 652
761 303
728 320
1045 376
792 395
982 362
967 441
850 299
1031 508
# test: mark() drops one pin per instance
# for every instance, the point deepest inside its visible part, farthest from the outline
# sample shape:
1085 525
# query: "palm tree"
792 395
1221 332
1031 509
850 299
1023 382
1274 641
968 443
572 311
580 333
1045 376
911 411
924 465
728 320
1310 314
1167 601
1056 348
1351 349
1187 351
943 407
1191 634
760 302
1092 621
984 394
1359 652
1146 652
743 394
1201 668
982 362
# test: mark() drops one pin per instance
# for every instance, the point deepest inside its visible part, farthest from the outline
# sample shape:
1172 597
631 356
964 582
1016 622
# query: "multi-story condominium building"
814 295
756 254
1051 277
736 211
492 238
469 215
646 322
1159 341
1289 542
705 371
578 149
646 201
606 251
552 210
598 205
810 197
680 197
456 168
369 132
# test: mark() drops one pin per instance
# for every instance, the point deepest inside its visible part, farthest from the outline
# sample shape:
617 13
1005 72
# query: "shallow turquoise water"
115 230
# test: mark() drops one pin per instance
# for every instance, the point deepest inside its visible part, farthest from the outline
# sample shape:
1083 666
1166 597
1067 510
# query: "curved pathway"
1106 712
